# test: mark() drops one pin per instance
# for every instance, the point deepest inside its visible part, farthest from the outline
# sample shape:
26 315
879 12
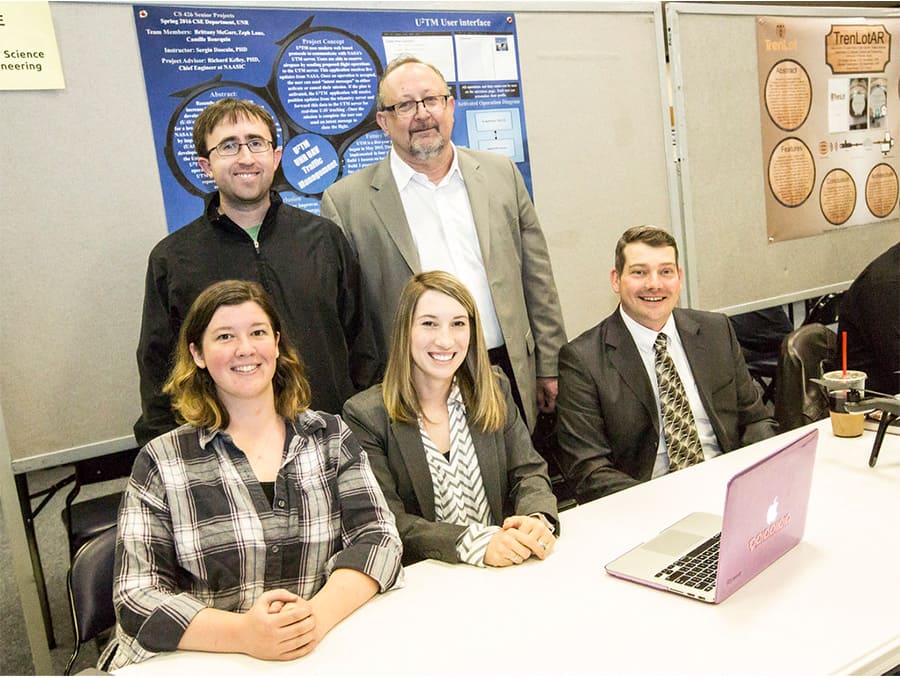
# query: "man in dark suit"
431 205
609 403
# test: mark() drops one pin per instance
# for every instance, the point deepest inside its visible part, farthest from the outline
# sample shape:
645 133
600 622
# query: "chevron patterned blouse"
458 486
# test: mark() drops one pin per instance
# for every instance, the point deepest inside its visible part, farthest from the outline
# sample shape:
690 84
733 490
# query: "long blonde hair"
192 389
480 390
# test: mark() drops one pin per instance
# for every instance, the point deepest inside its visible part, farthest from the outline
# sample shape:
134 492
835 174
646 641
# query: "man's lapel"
693 341
480 202
389 208
626 360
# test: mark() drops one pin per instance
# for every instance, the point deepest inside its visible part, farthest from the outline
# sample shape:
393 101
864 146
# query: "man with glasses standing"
433 206
246 232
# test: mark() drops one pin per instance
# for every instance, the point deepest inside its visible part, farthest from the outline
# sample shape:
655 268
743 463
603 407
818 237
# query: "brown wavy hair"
478 385
192 389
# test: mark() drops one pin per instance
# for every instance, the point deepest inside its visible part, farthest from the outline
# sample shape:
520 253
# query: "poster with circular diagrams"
317 74
829 117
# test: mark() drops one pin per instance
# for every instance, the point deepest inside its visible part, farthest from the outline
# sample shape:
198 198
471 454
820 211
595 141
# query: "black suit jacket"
608 423
514 474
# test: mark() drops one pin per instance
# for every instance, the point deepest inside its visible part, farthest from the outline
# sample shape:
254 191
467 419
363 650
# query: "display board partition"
732 262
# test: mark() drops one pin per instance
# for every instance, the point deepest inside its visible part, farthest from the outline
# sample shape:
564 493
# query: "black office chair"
806 352
545 442
824 310
84 520
90 585
760 334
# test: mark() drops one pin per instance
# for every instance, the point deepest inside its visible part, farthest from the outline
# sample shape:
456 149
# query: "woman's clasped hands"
280 625
520 538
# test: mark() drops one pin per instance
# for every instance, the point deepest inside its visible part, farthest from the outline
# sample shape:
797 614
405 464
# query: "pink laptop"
709 557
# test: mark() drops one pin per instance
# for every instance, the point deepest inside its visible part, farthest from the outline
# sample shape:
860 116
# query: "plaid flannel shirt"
196 529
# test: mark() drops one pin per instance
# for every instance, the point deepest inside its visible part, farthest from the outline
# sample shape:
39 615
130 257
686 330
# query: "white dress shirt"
443 228
645 338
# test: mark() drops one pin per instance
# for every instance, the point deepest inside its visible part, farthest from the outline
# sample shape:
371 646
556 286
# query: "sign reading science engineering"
829 108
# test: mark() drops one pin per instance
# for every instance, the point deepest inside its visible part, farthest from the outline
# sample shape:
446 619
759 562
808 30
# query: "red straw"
844 353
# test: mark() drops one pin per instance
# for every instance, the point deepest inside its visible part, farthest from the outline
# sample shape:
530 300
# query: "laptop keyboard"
696 569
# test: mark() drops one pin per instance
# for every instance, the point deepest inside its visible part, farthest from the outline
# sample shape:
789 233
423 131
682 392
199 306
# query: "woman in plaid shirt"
257 525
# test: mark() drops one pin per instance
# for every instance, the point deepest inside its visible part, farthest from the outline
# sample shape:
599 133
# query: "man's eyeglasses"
231 147
432 104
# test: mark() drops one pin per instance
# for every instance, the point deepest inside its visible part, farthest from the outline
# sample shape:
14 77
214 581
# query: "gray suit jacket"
608 423
367 206
514 474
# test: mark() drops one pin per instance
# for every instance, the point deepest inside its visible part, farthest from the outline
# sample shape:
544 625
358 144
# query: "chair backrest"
760 333
824 310
90 586
806 352
88 519
106 467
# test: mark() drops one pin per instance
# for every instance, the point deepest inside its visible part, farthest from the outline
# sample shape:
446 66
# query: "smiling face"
439 339
649 285
424 136
239 350
243 179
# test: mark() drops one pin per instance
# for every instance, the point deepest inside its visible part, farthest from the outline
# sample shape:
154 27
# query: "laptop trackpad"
672 542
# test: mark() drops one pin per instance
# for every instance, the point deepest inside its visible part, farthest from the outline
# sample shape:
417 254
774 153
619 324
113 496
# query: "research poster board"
732 264
316 72
830 111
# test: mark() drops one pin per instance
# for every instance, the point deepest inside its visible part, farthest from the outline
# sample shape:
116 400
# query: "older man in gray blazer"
432 206
610 417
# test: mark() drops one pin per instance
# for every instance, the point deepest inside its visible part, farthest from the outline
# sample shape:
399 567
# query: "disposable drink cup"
836 380
845 424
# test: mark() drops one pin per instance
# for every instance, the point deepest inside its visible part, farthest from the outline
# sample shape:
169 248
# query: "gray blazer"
367 206
514 474
608 423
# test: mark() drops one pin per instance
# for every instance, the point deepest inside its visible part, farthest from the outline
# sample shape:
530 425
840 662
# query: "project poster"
317 73
830 115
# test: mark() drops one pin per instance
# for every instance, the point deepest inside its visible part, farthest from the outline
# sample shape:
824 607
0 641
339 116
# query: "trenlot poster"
830 115
317 73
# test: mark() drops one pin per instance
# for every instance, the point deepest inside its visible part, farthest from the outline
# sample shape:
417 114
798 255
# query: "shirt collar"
404 174
206 435
214 200
455 397
644 337
307 423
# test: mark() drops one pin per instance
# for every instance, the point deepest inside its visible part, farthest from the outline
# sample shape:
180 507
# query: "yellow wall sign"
29 56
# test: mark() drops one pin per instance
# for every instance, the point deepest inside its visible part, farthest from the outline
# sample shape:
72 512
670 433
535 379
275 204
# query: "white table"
831 605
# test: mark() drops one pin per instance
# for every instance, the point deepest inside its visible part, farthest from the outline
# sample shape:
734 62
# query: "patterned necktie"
682 441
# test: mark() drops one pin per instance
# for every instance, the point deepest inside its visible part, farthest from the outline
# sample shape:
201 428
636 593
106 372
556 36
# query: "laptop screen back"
765 513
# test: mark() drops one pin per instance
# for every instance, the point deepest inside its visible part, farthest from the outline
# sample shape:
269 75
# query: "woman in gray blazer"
445 439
